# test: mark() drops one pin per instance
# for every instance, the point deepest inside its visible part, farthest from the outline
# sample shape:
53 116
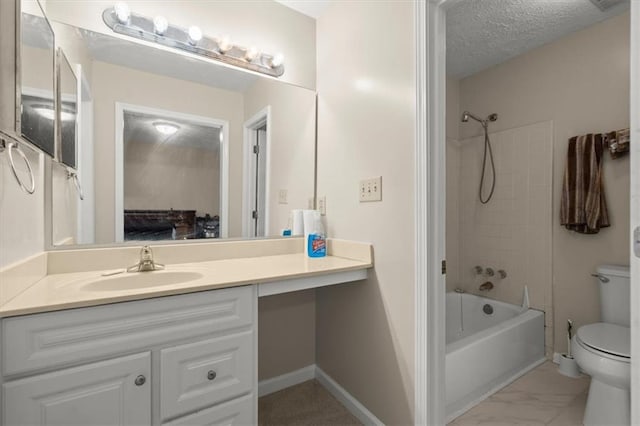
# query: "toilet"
602 350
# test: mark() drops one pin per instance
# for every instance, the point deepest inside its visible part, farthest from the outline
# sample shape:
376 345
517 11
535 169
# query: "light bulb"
160 25
224 44
122 12
251 54
277 60
195 35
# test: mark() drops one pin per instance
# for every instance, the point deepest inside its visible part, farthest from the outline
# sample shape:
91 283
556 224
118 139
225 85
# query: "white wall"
64 205
365 330
581 83
21 214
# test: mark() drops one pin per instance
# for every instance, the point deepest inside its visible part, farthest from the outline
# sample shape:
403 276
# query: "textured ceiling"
138 128
483 33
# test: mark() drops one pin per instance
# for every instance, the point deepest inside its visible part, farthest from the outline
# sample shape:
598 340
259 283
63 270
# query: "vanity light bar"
191 39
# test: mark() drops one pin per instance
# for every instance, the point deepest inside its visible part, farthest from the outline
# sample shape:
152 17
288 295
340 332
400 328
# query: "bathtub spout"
486 286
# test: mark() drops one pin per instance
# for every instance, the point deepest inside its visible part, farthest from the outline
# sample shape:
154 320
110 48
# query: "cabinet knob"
211 375
140 380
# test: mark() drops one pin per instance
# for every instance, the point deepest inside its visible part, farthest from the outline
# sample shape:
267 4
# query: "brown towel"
583 207
618 142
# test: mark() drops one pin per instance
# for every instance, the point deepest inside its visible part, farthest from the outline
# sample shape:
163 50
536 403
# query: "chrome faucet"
146 262
486 286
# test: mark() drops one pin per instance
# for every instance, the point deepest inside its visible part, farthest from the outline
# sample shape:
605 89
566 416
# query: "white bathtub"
485 352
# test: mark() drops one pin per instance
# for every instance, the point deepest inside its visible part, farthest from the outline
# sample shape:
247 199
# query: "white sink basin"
136 280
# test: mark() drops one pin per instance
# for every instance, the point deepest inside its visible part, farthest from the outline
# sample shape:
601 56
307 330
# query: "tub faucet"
486 286
146 262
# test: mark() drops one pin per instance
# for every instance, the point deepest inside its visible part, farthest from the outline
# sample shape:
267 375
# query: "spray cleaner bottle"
315 238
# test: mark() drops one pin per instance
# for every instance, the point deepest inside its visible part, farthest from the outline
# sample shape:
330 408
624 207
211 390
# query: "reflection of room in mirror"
68 106
172 177
37 79
117 71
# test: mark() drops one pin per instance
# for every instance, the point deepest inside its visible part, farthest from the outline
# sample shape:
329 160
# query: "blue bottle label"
316 246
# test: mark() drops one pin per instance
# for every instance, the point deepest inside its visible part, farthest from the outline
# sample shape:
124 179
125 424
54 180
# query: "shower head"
467 115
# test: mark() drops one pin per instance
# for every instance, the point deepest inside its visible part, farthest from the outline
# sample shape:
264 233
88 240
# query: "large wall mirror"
172 147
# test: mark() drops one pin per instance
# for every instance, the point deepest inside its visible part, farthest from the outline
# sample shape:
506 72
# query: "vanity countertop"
70 290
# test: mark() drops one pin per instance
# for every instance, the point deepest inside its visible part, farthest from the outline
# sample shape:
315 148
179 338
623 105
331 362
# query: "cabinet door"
111 392
239 412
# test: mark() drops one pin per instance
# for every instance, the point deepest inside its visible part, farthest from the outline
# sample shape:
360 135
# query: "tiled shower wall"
511 232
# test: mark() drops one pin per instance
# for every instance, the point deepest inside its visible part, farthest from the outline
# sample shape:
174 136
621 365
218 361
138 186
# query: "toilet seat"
610 339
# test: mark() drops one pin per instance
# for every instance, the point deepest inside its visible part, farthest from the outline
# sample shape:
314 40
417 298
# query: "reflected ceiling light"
220 135
192 40
195 35
122 12
225 44
160 25
49 113
166 128
251 54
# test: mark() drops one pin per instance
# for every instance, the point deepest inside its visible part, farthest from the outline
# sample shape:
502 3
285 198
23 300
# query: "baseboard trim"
275 384
353 405
556 358
309 372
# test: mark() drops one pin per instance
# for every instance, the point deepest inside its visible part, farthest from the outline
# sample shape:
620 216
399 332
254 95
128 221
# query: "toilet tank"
615 292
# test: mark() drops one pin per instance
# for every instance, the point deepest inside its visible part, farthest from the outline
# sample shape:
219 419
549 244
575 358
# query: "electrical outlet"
322 205
282 197
371 189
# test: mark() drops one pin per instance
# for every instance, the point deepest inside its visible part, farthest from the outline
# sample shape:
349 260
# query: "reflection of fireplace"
159 224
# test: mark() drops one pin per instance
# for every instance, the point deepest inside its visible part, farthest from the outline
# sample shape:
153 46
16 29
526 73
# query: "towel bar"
9 147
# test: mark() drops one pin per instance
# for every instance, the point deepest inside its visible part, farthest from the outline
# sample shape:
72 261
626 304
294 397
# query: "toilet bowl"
603 351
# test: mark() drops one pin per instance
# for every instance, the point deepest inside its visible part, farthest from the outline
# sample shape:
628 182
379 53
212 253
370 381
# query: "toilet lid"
610 338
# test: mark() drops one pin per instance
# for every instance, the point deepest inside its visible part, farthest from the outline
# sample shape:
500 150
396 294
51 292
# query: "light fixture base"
142 28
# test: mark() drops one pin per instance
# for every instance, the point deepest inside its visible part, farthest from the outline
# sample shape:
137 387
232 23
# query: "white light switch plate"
282 197
370 189
322 205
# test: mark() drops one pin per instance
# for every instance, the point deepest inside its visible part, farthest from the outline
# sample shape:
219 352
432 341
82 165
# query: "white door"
258 187
113 392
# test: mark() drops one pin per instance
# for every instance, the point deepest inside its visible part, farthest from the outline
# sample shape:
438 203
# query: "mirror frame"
61 60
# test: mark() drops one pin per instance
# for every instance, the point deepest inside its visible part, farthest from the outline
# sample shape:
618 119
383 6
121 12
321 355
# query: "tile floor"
541 397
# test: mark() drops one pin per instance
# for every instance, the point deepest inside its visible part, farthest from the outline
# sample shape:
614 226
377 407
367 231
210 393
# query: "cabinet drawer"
103 393
41 341
240 412
201 374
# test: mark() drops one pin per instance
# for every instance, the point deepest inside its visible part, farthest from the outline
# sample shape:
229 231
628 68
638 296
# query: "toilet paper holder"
602 278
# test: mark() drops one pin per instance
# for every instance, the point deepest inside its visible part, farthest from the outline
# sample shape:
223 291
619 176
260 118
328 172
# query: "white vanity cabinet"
179 360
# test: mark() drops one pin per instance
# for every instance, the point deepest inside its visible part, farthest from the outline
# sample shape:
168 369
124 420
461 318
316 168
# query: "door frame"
430 196
635 208
121 107
256 121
